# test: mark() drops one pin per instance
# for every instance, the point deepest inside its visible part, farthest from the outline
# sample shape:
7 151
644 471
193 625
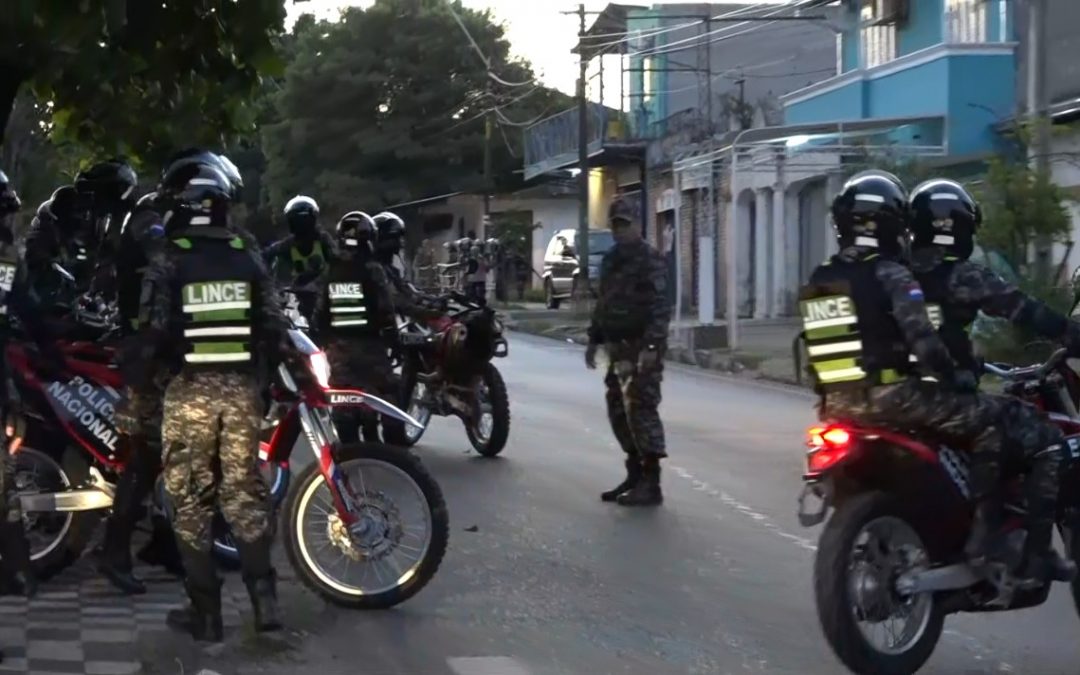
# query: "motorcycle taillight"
828 446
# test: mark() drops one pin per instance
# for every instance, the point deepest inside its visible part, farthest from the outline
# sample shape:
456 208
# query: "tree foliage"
387 105
138 77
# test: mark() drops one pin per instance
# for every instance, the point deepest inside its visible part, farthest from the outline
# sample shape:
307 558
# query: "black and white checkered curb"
78 623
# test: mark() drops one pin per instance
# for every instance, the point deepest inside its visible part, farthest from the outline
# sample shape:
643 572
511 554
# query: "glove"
964 382
649 357
590 355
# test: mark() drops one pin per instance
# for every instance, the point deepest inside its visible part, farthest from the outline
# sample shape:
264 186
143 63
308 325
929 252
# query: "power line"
725 15
480 52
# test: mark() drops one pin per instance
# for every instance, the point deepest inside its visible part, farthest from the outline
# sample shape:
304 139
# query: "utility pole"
488 124
1038 110
708 79
583 162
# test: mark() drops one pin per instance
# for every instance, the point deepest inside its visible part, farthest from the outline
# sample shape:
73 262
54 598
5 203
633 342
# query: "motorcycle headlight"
320 368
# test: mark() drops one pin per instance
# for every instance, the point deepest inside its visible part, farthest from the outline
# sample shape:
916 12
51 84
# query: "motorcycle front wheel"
868 542
393 549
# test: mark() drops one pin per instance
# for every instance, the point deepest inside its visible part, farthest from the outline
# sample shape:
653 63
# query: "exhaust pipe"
948 578
83 499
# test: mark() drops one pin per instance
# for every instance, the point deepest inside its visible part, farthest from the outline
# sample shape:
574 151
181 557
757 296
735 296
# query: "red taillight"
828 445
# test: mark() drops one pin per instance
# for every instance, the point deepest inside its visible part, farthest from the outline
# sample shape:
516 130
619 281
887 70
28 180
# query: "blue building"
951 60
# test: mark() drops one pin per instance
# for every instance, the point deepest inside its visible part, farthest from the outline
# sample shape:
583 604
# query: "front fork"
322 435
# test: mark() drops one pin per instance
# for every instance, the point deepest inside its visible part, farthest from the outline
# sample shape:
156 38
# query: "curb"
743 374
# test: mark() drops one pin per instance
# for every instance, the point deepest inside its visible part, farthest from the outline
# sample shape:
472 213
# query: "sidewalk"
766 352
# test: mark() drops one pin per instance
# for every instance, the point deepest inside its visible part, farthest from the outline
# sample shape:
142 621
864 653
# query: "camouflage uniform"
358 353
956 290
631 320
212 408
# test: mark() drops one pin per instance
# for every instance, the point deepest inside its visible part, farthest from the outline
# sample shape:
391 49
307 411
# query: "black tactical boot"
647 491
1041 491
985 525
259 577
161 550
633 476
15 560
114 562
202 618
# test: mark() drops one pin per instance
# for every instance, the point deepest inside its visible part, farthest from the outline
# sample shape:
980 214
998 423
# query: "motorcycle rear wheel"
410 399
490 443
843 558
309 529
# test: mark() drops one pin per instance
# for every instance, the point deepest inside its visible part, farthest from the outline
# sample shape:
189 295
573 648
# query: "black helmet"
70 209
871 211
153 228
391 233
197 191
356 232
944 214
302 216
111 184
233 175
9 201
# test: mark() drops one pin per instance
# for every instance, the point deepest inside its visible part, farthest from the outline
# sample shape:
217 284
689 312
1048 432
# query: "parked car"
561 263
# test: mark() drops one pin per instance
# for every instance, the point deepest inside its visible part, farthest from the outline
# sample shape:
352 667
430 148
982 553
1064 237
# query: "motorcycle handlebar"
1039 371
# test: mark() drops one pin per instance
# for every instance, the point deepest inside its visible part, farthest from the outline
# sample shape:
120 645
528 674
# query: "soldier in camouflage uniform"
210 307
631 321
865 317
408 300
354 315
944 220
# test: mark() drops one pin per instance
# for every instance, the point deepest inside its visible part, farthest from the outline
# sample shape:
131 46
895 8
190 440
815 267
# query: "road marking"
756 516
486 665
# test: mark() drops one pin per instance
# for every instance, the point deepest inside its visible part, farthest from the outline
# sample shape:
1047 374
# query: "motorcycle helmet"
233 174
356 232
70 210
109 184
390 230
302 217
871 212
196 193
9 200
943 213
153 229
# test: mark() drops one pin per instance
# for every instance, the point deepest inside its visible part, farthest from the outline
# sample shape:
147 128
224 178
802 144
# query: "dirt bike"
890 563
446 370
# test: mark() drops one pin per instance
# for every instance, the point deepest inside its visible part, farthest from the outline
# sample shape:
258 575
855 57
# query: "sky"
536 29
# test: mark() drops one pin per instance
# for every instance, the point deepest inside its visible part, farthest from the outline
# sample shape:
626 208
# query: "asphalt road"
541 578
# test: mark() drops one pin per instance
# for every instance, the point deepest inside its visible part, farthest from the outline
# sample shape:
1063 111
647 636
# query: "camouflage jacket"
632 302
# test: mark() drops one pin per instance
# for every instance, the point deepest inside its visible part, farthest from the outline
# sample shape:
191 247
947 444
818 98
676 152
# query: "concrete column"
781 267
762 218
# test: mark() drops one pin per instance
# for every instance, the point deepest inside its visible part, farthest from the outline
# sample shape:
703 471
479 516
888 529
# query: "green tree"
138 77
388 105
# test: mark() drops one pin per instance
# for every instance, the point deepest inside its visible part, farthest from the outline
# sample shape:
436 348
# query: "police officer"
70 226
631 321
302 257
408 300
354 317
210 304
864 317
944 220
139 420
16 575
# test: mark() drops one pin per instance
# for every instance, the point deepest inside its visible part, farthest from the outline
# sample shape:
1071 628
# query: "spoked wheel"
394 547
873 628
490 429
56 538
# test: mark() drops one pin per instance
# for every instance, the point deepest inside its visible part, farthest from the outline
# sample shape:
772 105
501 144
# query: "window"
648 79
965 20
878 33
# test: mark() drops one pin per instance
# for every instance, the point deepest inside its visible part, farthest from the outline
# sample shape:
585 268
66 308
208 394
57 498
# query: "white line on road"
728 500
486 665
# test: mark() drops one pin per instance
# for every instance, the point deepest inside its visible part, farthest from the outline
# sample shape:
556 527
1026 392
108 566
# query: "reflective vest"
311 262
350 306
851 336
9 262
217 289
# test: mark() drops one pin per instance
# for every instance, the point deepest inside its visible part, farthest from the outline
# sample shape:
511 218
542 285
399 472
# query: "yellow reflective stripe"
347 310
933 312
348 322
215 306
216 332
841 375
346 296
828 323
834 348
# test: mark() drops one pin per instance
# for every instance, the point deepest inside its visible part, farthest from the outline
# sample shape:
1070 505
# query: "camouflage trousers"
140 415
633 400
210 434
996 430
360 363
